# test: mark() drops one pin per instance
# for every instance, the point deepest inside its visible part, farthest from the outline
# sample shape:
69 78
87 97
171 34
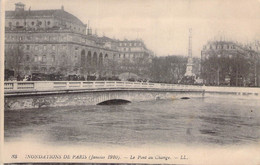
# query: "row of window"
206 56
40 23
32 23
222 47
44 47
40 58
129 49
130 44
43 58
39 47
125 56
36 38
114 56
64 47
46 38
52 38
75 28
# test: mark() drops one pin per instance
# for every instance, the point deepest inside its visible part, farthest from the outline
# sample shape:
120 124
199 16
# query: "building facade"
132 49
56 42
229 63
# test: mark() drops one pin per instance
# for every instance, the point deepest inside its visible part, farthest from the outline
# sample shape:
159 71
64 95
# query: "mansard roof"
59 13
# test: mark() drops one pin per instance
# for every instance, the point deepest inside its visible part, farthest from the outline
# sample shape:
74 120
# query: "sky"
163 24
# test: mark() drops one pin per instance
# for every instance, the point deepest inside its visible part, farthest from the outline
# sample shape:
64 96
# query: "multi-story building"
229 63
55 41
132 49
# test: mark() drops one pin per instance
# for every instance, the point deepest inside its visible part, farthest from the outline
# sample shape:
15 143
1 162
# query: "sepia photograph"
131 81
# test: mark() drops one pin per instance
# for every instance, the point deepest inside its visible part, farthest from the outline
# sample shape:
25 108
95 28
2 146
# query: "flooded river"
217 121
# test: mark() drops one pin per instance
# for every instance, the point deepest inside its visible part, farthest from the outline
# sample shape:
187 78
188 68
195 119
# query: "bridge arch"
114 102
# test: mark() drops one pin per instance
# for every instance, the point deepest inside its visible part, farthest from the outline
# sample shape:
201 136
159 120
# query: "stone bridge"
27 95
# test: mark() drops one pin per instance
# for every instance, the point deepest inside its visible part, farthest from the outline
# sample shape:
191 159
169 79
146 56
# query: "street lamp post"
218 69
229 69
18 60
236 61
255 70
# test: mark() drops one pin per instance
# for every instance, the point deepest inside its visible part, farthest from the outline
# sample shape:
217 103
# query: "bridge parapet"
35 94
30 86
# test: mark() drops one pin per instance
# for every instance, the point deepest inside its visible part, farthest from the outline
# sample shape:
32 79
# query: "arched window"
95 59
83 58
32 22
89 58
100 59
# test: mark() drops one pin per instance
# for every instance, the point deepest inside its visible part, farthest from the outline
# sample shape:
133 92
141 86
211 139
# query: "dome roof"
60 14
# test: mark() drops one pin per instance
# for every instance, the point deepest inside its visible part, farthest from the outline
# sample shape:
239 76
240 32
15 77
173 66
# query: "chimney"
19 7
62 7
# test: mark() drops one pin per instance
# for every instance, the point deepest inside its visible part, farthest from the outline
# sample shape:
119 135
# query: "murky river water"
218 121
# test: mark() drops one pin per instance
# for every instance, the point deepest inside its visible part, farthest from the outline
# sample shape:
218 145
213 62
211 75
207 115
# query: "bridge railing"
16 86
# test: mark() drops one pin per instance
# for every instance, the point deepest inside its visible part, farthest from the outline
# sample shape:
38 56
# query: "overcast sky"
163 24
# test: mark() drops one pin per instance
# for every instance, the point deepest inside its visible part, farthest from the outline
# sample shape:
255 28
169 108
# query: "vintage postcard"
130 81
